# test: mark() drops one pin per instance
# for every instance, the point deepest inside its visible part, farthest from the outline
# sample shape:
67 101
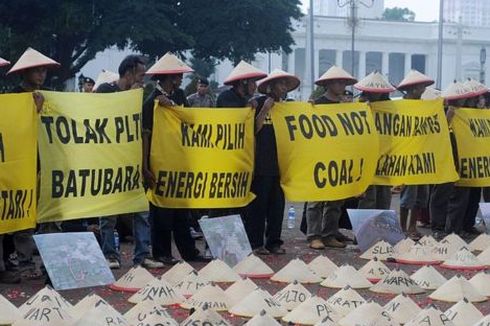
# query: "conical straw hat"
401 308
192 283
427 277
346 275
463 313
174 274
427 241
159 292
296 270
244 71
445 249
135 279
366 313
455 240
292 295
144 308
253 267
481 282
4 62
327 321
345 301
374 83
262 319
463 259
86 304
8 312
397 282
485 321
431 94
45 311
105 76
105 312
257 301
484 257
312 311
417 255
430 316
404 245
476 87
205 317
292 82
32 58
169 64
88 320
457 288
481 242
211 296
381 250
157 320
456 91
374 270
49 295
336 73
239 290
322 266
414 77
218 271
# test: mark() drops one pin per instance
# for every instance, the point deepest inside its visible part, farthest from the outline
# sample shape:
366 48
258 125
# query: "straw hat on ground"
463 313
32 58
4 62
8 312
457 288
253 267
401 308
414 77
374 270
292 82
374 83
346 300
169 64
481 242
135 279
335 73
397 282
428 278
292 295
244 71
322 266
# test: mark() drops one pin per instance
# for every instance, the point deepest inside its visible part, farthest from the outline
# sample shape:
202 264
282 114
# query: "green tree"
74 31
399 14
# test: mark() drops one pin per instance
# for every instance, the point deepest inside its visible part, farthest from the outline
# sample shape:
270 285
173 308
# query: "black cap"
88 80
203 81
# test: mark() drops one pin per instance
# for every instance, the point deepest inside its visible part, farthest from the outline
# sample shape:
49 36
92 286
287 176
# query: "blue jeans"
141 234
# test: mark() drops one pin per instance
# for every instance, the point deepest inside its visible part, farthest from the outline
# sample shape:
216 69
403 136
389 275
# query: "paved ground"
295 245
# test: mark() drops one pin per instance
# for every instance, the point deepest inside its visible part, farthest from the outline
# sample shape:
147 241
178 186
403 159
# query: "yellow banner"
414 143
90 147
471 128
326 152
202 158
18 130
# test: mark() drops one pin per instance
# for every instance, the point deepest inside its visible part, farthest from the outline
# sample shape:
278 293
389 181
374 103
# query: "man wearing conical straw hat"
448 202
374 88
413 198
168 73
264 215
323 217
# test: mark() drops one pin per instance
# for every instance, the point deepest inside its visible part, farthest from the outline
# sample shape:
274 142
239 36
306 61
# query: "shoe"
261 251
7 277
169 260
195 234
343 238
414 235
113 263
439 235
277 250
151 264
316 244
200 259
332 242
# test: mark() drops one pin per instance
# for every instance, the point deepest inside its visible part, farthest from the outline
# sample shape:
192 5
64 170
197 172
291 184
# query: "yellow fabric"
18 130
471 128
90 147
202 158
325 152
414 143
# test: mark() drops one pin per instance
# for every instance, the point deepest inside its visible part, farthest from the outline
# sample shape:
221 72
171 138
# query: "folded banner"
471 128
90 147
414 143
202 158
326 152
18 128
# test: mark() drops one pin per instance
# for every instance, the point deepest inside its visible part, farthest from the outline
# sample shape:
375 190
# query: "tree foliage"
398 14
74 31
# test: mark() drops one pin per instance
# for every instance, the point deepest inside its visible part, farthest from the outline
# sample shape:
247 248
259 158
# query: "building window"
347 62
396 70
326 59
418 62
373 62
299 63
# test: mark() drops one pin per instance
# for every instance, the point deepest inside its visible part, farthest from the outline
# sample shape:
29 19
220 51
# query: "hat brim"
253 75
425 83
170 72
47 65
348 81
458 97
375 90
292 82
481 92
3 64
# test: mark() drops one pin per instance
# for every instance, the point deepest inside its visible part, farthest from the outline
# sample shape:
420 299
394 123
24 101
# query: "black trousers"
264 215
472 209
447 206
164 222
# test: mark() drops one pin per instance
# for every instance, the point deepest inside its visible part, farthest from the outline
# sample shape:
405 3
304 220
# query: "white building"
390 47
471 12
373 10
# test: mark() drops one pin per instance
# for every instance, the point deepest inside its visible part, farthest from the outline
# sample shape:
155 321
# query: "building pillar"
317 64
362 65
385 64
339 58
408 62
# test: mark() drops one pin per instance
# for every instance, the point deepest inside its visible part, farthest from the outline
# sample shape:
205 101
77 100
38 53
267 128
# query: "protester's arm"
264 111
450 113
38 100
